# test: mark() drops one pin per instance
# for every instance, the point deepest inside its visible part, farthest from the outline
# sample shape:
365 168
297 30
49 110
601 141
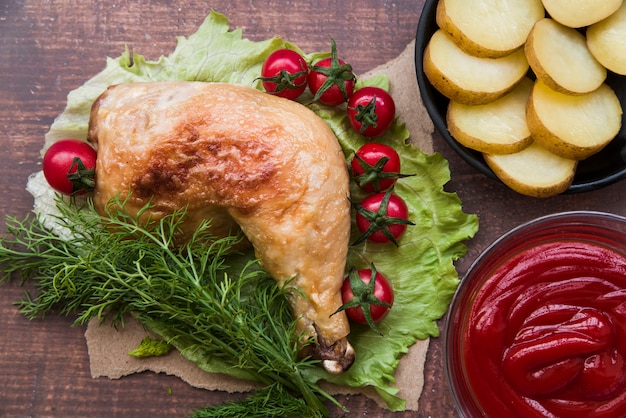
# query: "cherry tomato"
382 218
367 297
69 166
376 167
371 111
284 73
331 80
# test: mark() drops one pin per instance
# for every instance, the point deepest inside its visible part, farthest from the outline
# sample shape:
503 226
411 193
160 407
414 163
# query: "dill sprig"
268 402
217 307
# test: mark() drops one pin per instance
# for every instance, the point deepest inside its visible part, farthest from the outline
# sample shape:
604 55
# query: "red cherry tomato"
382 218
69 166
331 80
284 73
376 167
371 111
367 297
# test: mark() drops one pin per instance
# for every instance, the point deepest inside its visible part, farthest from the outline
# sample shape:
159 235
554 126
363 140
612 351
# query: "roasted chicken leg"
244 159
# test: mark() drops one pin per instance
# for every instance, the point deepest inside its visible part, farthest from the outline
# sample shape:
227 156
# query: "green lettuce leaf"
421 269
213 53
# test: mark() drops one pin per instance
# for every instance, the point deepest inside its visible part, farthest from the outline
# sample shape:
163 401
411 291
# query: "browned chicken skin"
244 159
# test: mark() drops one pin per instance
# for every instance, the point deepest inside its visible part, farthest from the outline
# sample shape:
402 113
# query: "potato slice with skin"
607 41
489 28
579 13
558 55
468 79
534 171
498 127
573 127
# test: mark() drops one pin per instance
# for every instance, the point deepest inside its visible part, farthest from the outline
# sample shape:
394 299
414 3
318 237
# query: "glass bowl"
498 305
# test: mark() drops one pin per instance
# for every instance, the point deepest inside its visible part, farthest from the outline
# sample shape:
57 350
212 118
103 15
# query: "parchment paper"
108 348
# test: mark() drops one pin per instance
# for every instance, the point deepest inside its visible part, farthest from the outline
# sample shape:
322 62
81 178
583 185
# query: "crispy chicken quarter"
244 159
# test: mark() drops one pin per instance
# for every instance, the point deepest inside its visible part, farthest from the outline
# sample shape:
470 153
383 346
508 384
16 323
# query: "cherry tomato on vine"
69 166
367 297
284 73
376 167
371 111
382 218
331 80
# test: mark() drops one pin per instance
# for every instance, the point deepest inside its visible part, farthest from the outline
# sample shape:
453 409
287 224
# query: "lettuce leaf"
421 268
213 53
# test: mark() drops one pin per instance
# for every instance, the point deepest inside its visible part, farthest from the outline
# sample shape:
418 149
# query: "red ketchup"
546 334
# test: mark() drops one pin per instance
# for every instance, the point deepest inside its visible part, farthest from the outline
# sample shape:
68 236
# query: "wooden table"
50 47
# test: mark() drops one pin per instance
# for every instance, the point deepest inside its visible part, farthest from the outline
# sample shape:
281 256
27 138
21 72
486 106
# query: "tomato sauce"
546 334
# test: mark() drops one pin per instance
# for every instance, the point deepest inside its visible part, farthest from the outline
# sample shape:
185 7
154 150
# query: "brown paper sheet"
108 348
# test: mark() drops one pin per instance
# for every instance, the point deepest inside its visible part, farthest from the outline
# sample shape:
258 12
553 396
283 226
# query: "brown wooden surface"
49 47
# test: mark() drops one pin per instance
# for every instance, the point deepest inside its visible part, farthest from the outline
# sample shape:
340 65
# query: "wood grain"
49 47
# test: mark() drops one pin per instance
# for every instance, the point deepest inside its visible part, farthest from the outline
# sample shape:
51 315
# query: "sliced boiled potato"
558 55
607 41
573 126
468 79
498 127
489 28
534 171
579 13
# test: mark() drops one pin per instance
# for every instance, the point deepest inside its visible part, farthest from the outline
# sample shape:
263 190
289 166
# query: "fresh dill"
220 310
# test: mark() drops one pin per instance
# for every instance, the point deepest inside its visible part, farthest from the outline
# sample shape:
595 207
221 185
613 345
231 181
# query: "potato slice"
489 28
579 13
498 127
573 126
607 41
468 79
534 171
559 57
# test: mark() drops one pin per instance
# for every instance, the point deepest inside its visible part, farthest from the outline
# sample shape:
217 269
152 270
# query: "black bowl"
599 170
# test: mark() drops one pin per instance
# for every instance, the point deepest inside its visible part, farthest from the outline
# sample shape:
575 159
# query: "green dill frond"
215 305
269 402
